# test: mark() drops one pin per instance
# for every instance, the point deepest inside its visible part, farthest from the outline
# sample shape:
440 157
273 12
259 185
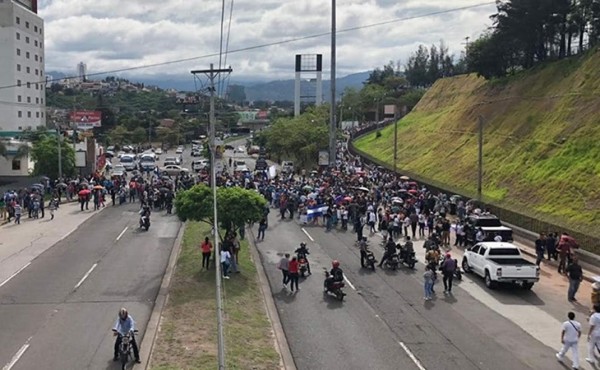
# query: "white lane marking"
411 356
85 276
307 234
17 355
349 283
15 274
122 232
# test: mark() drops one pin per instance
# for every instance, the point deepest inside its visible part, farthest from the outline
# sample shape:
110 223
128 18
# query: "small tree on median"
235 206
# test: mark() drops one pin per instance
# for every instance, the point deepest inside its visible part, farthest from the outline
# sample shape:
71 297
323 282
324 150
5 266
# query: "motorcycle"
125 348
370 260
144 222
302 265
392 262
408 258
457 271
335 288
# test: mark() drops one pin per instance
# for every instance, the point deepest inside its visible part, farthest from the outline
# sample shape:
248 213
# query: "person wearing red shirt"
294 273
206 248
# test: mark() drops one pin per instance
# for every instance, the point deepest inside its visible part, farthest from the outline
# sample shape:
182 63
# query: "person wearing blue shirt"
124 325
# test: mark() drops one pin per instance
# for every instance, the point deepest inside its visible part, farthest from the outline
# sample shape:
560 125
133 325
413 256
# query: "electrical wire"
221 47
226 82
275 43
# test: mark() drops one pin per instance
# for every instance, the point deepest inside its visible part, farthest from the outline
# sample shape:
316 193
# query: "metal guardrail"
587 242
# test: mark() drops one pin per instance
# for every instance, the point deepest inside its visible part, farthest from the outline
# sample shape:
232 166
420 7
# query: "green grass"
188 333
541 152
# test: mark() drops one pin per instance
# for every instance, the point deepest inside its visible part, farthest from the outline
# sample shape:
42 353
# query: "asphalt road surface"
58 313
384 323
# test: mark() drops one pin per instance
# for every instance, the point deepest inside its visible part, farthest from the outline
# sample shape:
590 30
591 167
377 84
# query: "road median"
187 337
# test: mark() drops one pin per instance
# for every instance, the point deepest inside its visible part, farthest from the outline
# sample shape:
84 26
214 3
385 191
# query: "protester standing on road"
206 248
283 265
569 337
262 226
293 270
540 248
575 274
428 283
551 246
448 268
594 334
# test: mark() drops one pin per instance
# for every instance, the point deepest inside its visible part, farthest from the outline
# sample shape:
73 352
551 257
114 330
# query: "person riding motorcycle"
390 250
432 257
123 326
408 248
430 243
303 252
336 274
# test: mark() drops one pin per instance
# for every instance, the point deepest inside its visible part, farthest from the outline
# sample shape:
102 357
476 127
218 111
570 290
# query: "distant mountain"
272 90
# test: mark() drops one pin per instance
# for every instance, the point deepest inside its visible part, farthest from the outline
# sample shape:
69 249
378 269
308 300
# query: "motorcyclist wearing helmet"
390 250
336 274
303 252
145 211
124 325
407 249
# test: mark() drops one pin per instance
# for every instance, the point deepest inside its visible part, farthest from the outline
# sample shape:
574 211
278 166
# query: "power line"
226 81
275 43
221 46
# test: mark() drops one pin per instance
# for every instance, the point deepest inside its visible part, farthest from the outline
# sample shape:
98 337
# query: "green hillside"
541 140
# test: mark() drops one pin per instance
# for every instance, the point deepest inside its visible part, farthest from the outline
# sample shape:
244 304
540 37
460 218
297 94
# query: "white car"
158 151
173 170
119 170
179 150
199 165
240 166
239 149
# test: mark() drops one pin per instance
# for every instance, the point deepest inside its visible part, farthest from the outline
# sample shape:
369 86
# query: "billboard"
323 158
86 119
389 110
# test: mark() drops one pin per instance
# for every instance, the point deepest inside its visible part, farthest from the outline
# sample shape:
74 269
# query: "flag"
316 211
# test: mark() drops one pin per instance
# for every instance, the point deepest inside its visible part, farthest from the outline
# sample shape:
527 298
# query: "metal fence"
587 242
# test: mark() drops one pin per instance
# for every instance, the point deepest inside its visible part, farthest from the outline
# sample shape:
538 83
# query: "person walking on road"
262 226
284 265
428 277
293 270
448 268
575 274
594 334
569 337
540 248
206 248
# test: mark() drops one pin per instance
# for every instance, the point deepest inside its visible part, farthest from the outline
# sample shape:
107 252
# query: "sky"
110 35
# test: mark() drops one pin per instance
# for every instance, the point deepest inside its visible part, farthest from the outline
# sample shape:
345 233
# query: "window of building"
29 99
27 55
18 36
28 70
16 164
36 72
18 51
35 42
37 100
42 100
40 30
35 29
26 24
41 59
20 114
37 114
36 57
18 68
19 83
41 44
42 114
27 39
19 98
29 85
29 114
18 20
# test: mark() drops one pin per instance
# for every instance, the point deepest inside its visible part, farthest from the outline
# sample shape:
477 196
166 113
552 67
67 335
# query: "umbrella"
412 183
37 186
404 178
164 190
307 187
413 191
45 178
61 185
362 188
348 199
84 192
402 190
397 200
98 187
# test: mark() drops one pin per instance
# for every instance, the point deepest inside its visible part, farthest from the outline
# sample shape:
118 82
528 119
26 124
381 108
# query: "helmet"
335 263
123 313
448 255
302 244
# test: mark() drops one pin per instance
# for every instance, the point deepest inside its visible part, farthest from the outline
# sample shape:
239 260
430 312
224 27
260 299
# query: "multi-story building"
82 72
22 75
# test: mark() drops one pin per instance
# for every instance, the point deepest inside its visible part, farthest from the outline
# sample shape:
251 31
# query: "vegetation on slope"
541 152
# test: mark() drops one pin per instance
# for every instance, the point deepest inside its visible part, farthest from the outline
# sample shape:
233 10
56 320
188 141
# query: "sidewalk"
20 244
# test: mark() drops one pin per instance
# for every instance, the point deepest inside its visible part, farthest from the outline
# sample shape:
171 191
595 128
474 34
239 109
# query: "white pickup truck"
500 262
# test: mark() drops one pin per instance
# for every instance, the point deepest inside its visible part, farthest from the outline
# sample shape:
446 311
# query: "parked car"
199 165
239 149
500 262
119 170
173 170
158 151
239 165
196 153
228 147
287 167
179 150
172 160
147 162
128 162
490 225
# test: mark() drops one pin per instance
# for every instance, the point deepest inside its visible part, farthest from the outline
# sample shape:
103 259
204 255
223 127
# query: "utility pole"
480 159
59 154
212 75
332 111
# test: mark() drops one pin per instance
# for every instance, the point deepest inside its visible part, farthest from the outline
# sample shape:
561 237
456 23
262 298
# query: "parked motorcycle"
392 262
370 260
408 258
125 349
334 288
144 222
457 271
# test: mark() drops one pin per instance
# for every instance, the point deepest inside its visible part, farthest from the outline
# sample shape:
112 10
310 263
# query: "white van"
287 167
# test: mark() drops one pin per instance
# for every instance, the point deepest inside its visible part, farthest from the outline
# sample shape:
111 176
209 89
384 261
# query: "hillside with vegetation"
541 133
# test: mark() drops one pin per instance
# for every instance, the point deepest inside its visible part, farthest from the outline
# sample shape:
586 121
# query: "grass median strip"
187 337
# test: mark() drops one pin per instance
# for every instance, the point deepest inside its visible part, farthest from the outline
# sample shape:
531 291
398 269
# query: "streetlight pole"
59 154
332 111
212 74
480 158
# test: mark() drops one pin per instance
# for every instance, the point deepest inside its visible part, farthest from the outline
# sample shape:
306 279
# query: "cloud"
114 34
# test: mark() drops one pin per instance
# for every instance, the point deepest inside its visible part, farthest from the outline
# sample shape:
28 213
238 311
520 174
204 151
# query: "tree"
139 135
235 206
45 155
119 135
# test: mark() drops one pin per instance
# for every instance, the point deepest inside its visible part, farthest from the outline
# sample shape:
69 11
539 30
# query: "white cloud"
114 34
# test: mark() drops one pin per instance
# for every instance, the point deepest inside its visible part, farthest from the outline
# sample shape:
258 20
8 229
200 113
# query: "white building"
82 72
22 75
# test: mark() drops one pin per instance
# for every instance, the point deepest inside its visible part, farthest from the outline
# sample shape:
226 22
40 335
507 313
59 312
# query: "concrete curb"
153 326
283 348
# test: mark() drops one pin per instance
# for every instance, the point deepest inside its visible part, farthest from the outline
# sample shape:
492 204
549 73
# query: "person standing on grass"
225 262
206 248
283 265
293 269
569 337
575 274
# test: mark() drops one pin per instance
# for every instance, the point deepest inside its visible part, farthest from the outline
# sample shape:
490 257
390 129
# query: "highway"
384 323
58 312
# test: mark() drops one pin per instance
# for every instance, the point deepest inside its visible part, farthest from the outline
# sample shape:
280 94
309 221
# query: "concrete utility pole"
332 111
480 159
59 154
212 75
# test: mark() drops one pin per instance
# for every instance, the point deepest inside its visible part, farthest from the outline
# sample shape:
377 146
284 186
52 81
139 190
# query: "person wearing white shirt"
594 334
225 262
498 238
569 337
